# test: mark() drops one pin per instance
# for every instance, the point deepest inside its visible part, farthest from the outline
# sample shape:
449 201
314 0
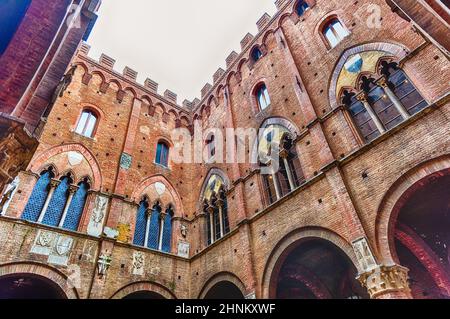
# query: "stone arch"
117 83
41 270
392 49
397 196
222 277
289 242
213 171
141 189
143 286
267 122
41 159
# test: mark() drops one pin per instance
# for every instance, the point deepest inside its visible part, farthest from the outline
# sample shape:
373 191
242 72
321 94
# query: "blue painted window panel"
76 208
37 198
153 236
167 234
141 225
57 203
256 54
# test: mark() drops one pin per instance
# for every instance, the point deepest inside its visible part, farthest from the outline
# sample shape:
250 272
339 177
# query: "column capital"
73 189
148 212
362 97
383 281
284 153
54 183
383 82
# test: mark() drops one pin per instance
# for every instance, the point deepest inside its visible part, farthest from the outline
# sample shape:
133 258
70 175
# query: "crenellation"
218 74
263 21
107 61
205 90
151 85
246 40
170 96
130 73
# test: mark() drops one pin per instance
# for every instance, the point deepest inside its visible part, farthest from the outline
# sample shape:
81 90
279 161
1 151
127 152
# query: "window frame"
158 159
91 114
259 94
328 24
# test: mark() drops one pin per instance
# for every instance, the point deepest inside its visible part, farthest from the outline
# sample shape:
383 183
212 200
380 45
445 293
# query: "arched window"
38 196
289 174
211 144
58 200
262 96
87 124
334 32
141 224
166 238
75 211
381 100
154 228
361 117
256 54
301 7
216 208
162 154
11 15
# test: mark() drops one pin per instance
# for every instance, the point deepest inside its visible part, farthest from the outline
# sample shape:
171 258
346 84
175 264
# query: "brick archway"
289 243
143 286
397 196
222 277
40 160
53 275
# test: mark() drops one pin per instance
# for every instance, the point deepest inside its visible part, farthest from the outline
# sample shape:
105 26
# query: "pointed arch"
391 49
40 160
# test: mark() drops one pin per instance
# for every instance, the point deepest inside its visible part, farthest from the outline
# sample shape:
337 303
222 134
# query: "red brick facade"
347 207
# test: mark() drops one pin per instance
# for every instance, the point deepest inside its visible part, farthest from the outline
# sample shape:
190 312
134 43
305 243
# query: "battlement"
247 42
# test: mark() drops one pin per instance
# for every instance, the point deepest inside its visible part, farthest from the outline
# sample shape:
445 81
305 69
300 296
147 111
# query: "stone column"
210 212
148 212
284 155
383 82
387 282
53 185
363 99
72 191
220 206
276 185
162 218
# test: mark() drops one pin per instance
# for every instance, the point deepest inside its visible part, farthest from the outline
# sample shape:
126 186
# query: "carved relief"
183 249
57 247
138 264
364 255
95 227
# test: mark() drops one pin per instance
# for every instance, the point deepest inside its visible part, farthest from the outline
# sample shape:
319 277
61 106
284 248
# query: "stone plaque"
125 161
183 249
95 227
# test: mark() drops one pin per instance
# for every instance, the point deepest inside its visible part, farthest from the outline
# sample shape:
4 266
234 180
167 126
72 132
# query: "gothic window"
256 54
154 229
38 196
382 99
361 117
58 200
141 224
11 15
334 32
76 207
301 7
162 154
262 96
87 124
403 88
279 180
166 239
211 145
216 209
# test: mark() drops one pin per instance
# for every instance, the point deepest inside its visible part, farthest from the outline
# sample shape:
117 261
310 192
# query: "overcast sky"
177 43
